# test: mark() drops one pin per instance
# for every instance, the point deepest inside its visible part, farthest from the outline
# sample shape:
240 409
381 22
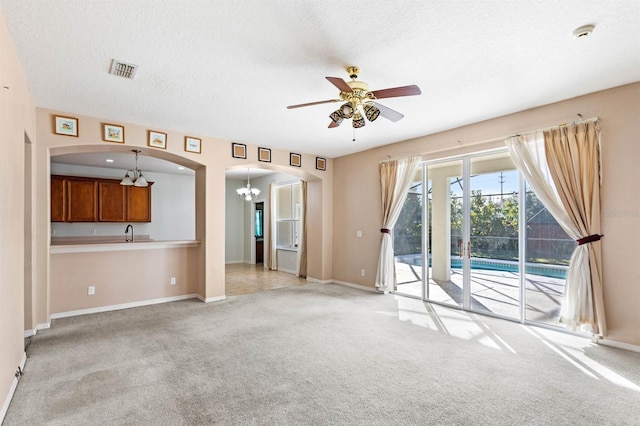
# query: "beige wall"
357 193
17 124
121 277
210 169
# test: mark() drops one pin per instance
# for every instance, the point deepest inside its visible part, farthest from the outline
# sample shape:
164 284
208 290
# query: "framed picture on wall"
264 154
192 144
321 163
112 133
67 126
295 160
157 139
238 150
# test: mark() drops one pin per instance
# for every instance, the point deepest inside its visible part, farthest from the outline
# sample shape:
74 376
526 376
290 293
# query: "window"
288 215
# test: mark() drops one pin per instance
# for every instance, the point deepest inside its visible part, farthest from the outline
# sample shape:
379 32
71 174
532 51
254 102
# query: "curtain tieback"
589 239
385 230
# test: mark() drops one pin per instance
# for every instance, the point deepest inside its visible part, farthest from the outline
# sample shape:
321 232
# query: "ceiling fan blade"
397 92
340 84
333 124
388 113
313 103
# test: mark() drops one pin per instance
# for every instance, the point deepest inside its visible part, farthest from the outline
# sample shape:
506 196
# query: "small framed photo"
112 133
295 160
157 139
192 144
321 163
264 154
67 126
238 150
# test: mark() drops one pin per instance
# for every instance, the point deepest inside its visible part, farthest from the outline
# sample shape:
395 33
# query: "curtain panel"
573 156
562 166
396 177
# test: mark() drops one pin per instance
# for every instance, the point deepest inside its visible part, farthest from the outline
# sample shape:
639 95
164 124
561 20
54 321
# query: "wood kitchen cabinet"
112 202
139 203
81 199
58 199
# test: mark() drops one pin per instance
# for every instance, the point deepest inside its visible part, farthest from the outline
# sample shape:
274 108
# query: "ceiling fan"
358 100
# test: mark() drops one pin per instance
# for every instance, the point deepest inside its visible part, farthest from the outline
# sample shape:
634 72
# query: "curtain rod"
581 120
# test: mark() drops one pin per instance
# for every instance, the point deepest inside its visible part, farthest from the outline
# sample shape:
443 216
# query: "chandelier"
137 179
247 193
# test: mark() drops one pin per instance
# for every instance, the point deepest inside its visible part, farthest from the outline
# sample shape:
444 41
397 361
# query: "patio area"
492 291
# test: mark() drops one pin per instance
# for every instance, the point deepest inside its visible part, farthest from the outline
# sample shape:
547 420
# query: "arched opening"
173 215
248 233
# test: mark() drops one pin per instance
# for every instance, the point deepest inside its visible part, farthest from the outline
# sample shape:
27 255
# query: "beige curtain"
395 180
272 254
573 156
302 243
540 157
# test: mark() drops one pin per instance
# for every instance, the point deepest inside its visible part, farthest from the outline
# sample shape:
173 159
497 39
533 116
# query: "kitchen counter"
113 243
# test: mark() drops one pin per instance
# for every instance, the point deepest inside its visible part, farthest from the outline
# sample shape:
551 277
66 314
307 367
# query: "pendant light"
247 193
137 179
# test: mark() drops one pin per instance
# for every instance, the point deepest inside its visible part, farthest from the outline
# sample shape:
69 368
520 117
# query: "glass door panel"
446 228
407 241
548 251
493 210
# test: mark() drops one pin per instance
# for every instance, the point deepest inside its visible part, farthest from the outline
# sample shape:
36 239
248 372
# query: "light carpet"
318 355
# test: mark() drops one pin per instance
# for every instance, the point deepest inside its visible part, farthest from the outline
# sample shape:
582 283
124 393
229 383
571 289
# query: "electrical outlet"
93 232
173 280
92 290
53 232
362 272
358 234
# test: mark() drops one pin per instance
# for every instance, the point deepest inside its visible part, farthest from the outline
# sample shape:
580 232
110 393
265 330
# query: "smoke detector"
583 31
122 69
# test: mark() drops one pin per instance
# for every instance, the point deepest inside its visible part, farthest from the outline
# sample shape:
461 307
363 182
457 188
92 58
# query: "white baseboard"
358 286
230 262
12 390
211 299
619 345
29 333
122 306
315 280
44 325
288 271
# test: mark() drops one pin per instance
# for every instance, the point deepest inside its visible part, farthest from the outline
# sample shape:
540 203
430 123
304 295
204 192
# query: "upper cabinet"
139 203
58 199
79 199
82 205
112 202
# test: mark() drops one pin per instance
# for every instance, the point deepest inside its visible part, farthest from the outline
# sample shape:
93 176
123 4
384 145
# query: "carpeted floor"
318 355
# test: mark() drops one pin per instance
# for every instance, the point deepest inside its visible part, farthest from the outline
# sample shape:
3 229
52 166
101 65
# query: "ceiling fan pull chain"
354 134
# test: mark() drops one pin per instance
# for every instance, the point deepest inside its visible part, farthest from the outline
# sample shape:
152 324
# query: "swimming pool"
552 271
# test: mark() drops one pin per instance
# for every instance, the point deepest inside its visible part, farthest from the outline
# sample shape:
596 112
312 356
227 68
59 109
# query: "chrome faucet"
126 233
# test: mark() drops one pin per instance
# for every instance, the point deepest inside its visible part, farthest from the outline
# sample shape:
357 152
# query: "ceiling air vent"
122 69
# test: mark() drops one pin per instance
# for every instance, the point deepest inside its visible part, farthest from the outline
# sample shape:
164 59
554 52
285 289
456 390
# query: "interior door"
259 231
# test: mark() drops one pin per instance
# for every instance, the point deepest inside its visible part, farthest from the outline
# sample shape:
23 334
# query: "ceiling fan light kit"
358 100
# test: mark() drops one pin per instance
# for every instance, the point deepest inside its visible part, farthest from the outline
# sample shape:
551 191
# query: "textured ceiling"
229 68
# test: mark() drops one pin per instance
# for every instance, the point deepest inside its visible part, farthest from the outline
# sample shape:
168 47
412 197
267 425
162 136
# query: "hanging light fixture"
247 193
137 179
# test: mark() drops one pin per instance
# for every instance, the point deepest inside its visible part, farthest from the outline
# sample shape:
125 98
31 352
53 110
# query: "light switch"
359 234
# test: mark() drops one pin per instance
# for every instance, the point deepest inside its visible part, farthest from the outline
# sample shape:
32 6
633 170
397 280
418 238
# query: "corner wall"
356 196
17 121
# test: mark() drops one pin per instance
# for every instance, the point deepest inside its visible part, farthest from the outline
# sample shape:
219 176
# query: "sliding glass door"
494 236
473 236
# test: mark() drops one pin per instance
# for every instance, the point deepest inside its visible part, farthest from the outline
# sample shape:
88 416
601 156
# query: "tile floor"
242 278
